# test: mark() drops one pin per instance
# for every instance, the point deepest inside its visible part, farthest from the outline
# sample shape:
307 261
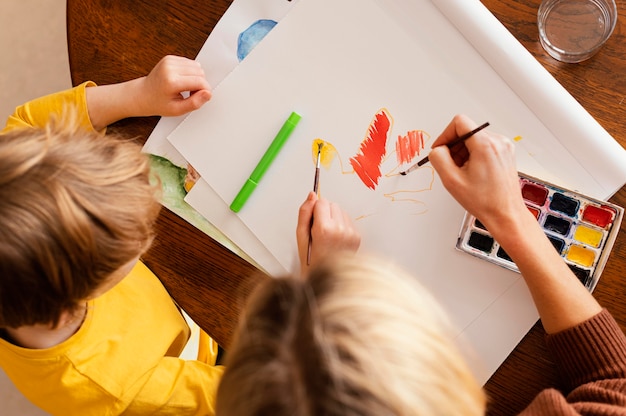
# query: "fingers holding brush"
486 183
454 137
331 230
305 217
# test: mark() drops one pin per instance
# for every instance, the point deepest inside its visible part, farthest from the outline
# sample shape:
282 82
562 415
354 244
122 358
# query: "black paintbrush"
450 145
316 182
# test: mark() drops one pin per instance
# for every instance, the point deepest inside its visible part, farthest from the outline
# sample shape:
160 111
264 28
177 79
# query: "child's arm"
157 94
329 226
483 178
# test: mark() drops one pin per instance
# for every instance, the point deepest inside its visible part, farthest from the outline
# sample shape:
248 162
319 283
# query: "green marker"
265 162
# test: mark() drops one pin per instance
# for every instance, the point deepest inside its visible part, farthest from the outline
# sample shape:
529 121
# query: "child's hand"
332 230
161 90
157 94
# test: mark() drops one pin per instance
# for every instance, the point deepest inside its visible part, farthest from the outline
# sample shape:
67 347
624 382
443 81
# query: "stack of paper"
339 64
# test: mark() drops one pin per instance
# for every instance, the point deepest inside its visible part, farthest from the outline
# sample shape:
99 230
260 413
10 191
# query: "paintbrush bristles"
450 145
415 166
319 154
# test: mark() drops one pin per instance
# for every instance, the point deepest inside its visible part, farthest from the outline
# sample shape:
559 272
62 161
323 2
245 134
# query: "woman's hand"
481 174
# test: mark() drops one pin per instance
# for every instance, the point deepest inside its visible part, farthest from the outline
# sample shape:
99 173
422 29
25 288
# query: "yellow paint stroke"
327 155
409 195
395 197
517 138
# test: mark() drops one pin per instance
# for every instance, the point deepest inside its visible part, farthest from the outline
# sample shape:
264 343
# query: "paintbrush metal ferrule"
450 145
316 180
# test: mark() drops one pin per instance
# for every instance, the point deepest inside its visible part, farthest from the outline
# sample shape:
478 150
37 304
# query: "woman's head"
75 207
358 336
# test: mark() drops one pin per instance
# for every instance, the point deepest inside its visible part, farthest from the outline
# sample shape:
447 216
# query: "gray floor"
34 51
33 62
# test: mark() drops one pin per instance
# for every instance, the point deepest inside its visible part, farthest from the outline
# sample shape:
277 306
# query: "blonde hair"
75 206
358 336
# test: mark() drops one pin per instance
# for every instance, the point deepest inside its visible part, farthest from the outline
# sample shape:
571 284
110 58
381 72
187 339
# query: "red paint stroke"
366 164
410 145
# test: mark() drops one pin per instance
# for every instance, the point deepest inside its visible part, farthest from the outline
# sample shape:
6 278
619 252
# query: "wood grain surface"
115 40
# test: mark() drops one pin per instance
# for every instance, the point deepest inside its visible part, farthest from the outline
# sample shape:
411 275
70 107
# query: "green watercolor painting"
172 179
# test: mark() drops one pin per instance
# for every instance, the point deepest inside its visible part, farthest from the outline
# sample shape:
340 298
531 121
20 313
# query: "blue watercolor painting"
250 37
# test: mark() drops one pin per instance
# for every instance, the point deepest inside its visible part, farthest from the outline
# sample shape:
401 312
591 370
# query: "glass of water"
574 30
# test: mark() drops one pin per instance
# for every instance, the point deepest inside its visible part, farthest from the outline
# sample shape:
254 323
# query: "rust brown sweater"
591 358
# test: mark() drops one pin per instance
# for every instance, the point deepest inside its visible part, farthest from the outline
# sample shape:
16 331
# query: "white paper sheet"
587 141
209 204
218 56
338 69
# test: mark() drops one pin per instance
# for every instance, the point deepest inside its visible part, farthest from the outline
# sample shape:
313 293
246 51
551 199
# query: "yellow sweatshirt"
124 358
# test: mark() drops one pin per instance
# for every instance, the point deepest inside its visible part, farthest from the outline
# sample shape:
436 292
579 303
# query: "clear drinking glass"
574 30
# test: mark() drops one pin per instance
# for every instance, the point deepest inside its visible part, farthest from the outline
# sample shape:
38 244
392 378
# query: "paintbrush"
316 182
450 145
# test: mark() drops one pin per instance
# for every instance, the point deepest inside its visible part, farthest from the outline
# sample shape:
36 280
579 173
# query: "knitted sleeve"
591 358
592 351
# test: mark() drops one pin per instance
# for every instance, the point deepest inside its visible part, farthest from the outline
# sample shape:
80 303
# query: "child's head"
358 336
75 206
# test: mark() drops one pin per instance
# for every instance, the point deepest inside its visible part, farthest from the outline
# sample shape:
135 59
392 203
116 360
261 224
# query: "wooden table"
113 41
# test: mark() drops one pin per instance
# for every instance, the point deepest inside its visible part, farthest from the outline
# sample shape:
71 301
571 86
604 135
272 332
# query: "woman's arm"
482 177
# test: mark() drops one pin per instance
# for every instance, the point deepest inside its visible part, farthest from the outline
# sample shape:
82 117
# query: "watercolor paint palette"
581 229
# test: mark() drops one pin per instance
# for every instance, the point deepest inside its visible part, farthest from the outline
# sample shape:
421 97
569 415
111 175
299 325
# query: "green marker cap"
272 151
